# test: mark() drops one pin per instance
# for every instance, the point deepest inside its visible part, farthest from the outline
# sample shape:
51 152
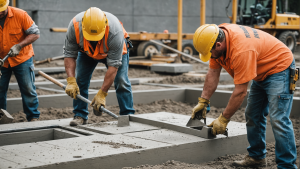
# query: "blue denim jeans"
271 96
24 73
85 66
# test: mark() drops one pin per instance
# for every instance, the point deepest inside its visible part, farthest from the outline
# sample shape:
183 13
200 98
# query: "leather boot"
78 121
250 162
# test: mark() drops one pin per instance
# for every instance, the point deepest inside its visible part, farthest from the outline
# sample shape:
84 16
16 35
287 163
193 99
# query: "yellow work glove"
72 88
200 109
219 125
99 100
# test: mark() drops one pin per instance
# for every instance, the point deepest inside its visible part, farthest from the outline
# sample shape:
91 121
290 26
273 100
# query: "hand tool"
122 120
198 124
2 62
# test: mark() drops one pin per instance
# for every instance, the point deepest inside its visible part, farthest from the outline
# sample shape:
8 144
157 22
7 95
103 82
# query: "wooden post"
202 12
179 30
234 11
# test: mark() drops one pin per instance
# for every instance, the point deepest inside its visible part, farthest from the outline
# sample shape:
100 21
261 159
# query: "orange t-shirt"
251 54
16 22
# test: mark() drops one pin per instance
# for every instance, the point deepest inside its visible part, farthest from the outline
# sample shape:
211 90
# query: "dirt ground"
174 107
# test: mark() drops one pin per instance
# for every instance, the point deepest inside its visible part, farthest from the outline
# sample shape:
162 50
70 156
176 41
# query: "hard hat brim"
205 58
93 37
4 7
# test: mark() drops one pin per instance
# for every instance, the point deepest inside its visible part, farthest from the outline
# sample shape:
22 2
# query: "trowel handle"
58 83
4 59
78 96
108 112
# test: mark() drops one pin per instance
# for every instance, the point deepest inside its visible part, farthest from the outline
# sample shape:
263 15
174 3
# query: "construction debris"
5 117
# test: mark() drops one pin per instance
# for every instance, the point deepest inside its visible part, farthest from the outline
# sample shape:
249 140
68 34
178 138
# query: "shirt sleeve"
115 45
27 21
71 47
213 64
245 67
34 29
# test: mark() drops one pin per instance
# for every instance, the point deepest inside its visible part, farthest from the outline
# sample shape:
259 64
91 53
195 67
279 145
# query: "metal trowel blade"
195 123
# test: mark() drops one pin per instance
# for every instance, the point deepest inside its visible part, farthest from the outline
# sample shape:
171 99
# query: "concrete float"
104 145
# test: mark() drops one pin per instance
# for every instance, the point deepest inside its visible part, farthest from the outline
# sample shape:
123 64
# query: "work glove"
219 125
15 50
200 110
72 88
99 100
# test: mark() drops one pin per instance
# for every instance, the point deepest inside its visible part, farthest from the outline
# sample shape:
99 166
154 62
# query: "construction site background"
136 15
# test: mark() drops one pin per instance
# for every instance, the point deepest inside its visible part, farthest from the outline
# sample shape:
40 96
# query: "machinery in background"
269 16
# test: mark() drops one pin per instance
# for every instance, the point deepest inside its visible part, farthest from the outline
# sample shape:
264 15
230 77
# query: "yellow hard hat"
94 23
204 39
3 5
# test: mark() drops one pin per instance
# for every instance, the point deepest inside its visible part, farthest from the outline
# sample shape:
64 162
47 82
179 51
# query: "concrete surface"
135 148
174 68
111 128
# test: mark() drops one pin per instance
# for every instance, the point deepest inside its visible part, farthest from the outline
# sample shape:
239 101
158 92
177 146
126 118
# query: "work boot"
250 162
34 119
78 121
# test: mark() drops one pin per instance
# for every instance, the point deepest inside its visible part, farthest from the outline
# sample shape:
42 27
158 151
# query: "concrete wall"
136 15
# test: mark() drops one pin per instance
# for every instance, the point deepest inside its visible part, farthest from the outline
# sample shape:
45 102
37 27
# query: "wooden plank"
144 62
167 60
144 35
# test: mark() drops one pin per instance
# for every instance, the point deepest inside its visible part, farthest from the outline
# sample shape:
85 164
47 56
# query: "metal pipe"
174 50
202 12
179 27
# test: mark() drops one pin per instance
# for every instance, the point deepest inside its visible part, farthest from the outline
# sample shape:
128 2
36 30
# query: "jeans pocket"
32 73
284 101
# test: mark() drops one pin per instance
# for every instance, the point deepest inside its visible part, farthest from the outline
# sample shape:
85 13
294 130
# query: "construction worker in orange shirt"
250 54
17 33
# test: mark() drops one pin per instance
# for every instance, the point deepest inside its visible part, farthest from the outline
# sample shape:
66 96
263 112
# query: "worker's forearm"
109 78
235 102
70 65
211 83
29 40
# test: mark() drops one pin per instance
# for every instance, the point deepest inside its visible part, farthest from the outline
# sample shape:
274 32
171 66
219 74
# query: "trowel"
195 123
122 120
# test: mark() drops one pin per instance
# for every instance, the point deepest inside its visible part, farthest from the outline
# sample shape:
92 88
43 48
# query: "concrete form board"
26 125
93 83
172 68
111 128
26 137
204 133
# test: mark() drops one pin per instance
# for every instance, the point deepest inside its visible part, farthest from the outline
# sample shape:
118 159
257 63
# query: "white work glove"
15 50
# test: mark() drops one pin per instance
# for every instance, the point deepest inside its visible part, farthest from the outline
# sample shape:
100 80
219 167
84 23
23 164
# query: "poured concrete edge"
204 133
219 99
93 83
14 105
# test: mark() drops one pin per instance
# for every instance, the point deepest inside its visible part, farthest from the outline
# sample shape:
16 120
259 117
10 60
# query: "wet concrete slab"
109 146
112 128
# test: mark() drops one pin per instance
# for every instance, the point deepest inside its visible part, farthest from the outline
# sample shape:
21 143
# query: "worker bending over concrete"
17 33
250 54
96 36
